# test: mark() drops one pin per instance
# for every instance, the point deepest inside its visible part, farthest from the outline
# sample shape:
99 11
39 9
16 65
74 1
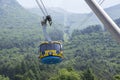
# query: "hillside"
89 54
14 15
17 22
114 11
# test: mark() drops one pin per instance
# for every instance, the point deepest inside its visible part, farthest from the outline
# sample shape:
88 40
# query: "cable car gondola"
51 52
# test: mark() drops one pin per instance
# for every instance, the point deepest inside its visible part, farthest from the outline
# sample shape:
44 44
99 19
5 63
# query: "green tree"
117 77
4 78
65 74
88 75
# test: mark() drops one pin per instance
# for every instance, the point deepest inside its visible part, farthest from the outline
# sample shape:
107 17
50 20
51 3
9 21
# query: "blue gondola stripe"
51 60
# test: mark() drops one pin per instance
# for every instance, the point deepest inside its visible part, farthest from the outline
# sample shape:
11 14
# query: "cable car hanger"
51 52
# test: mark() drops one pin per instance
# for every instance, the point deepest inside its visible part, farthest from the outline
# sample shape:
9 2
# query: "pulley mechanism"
47 19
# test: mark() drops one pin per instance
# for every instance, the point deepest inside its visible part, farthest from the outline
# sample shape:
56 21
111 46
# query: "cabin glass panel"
44 47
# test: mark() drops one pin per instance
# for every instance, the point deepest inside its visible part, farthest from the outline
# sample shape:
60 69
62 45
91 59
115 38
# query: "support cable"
40 7
44 7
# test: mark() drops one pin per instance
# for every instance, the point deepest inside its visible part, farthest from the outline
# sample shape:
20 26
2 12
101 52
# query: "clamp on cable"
47 19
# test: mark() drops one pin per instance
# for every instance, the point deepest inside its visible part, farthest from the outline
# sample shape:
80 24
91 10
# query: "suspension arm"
105 19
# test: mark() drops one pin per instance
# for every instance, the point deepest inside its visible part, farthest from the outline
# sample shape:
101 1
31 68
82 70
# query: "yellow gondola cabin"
51 52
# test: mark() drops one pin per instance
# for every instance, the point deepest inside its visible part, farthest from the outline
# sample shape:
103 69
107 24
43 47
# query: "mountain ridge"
12 14
78 20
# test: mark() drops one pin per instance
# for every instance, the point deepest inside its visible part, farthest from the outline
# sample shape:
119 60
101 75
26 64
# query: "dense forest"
89 54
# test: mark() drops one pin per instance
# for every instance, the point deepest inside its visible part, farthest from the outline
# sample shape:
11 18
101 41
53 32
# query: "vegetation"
65 74
3 78
89 54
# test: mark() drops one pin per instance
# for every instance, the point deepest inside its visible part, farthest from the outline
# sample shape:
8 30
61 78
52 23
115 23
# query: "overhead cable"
44 7
40 7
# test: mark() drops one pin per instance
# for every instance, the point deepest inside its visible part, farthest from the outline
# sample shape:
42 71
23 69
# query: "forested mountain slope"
89 54
13 15
94 48
16 22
